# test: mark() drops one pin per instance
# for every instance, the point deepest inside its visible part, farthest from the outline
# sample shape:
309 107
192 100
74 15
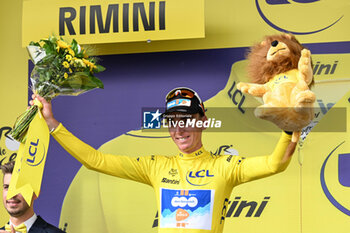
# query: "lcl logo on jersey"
199 178
277 12
343 173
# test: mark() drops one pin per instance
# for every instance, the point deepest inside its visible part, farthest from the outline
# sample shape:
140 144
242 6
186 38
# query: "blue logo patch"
178 102
151 119
191 209
343 175
344 169
272 3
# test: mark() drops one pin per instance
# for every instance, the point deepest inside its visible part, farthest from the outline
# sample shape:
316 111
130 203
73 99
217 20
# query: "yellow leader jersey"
192 190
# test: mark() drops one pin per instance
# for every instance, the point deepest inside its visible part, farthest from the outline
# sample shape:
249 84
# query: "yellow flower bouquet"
61 68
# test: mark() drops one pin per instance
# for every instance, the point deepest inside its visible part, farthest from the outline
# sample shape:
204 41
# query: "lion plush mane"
261 71
281 72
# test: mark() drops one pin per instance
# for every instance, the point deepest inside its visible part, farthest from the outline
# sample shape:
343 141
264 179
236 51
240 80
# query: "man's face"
16 206
187 139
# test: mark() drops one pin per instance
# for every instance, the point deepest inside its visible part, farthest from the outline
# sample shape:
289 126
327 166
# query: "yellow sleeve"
134 168
262 166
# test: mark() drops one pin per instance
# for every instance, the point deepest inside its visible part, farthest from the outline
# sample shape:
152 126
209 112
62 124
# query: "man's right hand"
52 123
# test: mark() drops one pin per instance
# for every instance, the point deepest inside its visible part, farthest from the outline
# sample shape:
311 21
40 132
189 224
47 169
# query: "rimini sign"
113 20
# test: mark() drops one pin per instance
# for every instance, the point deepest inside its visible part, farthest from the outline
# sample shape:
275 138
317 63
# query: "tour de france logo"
8 146
282 15
332 188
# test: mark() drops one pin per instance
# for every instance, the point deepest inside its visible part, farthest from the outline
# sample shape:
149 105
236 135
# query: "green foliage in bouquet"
61 68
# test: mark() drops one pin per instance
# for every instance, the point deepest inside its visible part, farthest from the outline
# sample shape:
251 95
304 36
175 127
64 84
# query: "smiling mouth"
277 51
13 202
182 138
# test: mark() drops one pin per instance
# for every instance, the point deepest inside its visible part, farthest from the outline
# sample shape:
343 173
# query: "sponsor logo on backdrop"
324 107
290 9
110 21
343 177
318 114
325 68
235 208
237 97
323 72
8 146
115 12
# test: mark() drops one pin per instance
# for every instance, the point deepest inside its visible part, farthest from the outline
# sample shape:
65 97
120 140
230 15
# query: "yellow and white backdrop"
150 47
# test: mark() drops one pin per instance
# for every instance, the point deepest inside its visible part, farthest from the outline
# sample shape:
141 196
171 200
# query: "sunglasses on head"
187 93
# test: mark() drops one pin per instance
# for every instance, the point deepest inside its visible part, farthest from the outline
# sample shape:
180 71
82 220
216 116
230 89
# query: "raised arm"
262 166
116 165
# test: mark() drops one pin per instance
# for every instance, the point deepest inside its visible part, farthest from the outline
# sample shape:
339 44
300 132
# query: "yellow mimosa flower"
68 57
89 64
71 52
65 64
62 44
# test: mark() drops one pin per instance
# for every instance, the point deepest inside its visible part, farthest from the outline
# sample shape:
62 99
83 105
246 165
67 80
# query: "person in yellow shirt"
193 187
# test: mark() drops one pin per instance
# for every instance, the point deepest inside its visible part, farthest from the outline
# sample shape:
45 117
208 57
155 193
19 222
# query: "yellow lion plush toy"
281 71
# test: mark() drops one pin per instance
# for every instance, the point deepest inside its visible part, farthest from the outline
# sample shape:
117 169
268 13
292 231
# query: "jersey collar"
196 154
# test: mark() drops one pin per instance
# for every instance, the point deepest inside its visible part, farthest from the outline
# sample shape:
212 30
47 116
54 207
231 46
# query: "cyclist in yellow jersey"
194 197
